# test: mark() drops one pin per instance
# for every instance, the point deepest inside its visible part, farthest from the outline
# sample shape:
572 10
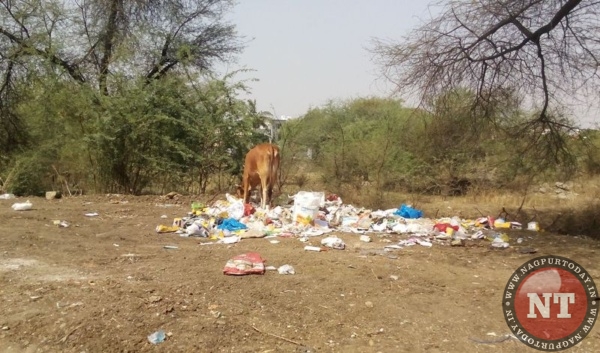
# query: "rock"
457 242
171 195
369 304
154 299
51 195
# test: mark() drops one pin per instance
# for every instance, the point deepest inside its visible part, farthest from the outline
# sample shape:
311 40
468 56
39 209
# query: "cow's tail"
274 165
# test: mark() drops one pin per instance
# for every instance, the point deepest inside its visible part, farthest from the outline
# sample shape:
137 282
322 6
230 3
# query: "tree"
94 42
544 50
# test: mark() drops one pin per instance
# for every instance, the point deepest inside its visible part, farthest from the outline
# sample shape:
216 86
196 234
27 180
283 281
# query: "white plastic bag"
235 209
334 243
286 270
196 229
22 206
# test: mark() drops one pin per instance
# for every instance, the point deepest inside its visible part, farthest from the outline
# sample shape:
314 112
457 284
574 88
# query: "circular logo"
550 303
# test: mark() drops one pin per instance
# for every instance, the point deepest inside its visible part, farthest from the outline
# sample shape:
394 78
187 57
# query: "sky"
307 52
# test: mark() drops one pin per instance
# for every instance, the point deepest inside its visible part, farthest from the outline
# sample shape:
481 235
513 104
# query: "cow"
261 167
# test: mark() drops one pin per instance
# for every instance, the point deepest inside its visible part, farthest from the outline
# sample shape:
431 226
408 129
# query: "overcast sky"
305 52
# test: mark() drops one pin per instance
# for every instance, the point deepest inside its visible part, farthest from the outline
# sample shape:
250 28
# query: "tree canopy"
94 42
544 52
120 96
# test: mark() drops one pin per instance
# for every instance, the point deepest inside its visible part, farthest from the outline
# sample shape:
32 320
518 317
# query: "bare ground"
105 283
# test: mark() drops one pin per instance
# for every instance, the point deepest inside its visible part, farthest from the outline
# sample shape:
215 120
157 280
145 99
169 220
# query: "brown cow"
261 167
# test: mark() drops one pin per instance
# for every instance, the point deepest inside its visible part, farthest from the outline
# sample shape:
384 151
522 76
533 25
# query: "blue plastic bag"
408 212
231 225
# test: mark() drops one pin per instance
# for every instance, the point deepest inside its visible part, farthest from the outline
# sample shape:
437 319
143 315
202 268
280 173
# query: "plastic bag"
408 212
245 264
22 206
334 243
231 224
286 270
236 207
196 229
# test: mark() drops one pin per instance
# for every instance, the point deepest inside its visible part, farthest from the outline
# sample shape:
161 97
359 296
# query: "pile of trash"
313 214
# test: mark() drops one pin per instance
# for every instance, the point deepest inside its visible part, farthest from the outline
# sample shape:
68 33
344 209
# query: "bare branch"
70 68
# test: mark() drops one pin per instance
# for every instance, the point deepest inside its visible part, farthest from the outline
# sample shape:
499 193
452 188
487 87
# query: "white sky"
306 52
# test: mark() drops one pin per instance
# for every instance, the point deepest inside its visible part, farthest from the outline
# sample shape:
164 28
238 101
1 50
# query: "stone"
51 195
457 242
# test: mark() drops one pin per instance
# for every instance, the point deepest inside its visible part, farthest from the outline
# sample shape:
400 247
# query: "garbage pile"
313 214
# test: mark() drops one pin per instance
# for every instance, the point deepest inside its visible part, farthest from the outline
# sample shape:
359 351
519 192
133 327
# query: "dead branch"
540 50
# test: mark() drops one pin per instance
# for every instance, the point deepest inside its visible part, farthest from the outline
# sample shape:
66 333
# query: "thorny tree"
545 51
90 41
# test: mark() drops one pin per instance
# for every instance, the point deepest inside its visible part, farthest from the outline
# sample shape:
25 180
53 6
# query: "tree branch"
72 69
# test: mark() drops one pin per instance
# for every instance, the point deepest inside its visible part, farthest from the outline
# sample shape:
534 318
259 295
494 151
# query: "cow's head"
239 191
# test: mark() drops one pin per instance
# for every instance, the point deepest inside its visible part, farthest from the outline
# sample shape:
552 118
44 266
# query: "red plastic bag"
441 227
248 209
245 264
332 197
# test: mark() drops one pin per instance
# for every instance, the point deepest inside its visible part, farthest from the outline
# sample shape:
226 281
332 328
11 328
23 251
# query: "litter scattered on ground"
157 337
92 214
61 224
170 247
315 214
533 226
245 264
7 196
22 206
286 270
334 243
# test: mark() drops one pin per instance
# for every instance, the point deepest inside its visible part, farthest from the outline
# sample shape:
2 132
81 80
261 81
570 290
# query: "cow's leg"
263 184
270 193
246 186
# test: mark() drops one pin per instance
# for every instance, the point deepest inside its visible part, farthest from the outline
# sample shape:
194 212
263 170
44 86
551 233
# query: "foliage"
97 43
118 96
544 52
378 145
166 134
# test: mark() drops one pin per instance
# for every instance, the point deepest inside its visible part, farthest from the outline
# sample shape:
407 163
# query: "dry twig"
277 336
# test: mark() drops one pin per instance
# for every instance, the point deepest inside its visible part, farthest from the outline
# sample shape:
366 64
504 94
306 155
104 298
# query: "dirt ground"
105 283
